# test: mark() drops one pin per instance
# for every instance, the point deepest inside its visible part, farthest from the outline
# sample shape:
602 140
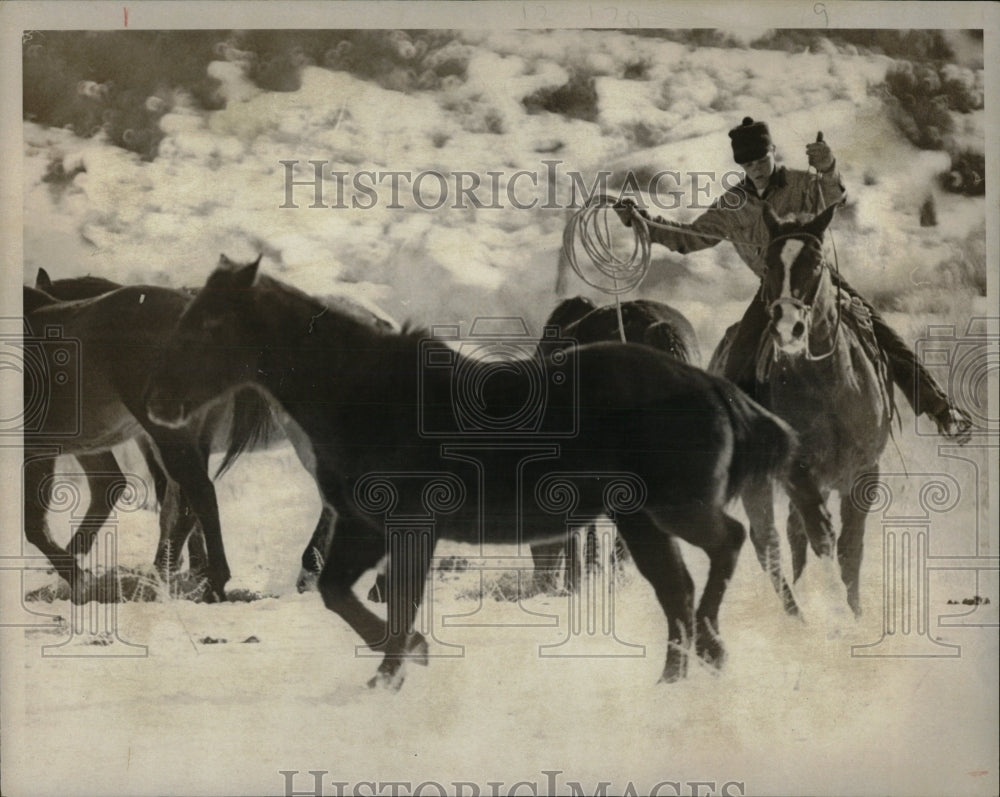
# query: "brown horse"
233 426
93 358
817 371
376 406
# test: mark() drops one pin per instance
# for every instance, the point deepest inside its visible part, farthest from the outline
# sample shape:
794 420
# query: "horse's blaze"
789 320
790 331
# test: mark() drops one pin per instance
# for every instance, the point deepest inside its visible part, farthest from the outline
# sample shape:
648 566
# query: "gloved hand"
625 208
819 154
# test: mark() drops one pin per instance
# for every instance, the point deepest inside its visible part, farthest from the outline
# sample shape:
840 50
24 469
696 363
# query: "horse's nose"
798 329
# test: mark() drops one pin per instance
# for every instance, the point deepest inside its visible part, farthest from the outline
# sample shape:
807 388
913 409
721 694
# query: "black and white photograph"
499 398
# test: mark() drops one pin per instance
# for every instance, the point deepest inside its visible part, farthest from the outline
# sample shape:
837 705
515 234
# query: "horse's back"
645 321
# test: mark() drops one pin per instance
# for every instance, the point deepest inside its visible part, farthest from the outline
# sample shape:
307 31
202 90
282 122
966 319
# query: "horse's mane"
413 331
72 288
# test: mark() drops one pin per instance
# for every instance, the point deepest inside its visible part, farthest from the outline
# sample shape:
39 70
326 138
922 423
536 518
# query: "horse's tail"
251 426
763 444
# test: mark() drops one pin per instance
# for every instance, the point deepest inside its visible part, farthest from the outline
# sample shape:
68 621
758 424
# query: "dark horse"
687 439
109 345
820 371
642 321
233 426
105 479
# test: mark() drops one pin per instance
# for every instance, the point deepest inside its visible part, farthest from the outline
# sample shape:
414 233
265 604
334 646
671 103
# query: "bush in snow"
967 174
577 98
122 82
116 82
922 98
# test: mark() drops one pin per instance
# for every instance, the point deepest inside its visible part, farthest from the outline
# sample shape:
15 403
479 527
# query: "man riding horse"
737 216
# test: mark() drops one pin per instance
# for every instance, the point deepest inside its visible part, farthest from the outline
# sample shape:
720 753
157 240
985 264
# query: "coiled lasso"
615 274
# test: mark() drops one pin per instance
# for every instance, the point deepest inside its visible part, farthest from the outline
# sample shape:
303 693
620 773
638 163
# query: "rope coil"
590 225
622 273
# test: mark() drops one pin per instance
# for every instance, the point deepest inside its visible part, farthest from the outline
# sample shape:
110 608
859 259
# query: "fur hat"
750 140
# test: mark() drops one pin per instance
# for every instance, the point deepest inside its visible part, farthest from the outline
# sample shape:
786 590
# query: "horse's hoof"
708 645
214 595
306 582
389 681
676 667
791 607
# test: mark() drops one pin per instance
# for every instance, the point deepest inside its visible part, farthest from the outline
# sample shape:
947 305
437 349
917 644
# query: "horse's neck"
307 347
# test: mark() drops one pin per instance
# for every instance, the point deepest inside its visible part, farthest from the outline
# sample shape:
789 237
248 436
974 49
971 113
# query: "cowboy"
738 216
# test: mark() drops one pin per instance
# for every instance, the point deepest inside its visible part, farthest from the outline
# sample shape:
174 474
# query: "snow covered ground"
794 711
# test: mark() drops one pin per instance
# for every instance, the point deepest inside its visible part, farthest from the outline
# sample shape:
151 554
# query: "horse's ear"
244 276
42 280
822 220
771 221
225 262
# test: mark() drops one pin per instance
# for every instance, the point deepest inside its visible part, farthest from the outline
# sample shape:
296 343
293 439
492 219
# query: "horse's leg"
619 553
106 482
591 550
148 451
658 558
758 500
543 554
810 502
356 548
407 565
176 523
723 549
186 465
572 553
850 547
315 553
797 541
38 473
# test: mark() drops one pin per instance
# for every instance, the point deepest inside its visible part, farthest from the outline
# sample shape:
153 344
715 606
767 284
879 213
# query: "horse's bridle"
807 307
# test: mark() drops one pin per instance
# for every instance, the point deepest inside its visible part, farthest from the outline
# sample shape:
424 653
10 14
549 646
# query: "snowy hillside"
797 710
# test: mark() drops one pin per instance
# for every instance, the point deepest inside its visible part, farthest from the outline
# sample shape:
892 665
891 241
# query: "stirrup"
954 424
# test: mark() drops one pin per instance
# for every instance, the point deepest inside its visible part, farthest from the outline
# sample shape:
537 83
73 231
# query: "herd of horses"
225 368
